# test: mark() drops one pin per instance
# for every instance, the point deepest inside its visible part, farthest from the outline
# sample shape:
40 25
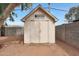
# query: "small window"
39 15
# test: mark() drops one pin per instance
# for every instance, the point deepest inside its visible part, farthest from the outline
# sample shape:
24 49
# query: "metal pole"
49 7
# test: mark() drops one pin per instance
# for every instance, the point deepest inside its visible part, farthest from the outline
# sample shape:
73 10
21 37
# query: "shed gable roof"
39 7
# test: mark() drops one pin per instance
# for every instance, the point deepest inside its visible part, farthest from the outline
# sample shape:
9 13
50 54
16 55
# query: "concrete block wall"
13 31
68 33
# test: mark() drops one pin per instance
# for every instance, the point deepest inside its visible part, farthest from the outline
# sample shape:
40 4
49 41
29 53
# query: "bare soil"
58 49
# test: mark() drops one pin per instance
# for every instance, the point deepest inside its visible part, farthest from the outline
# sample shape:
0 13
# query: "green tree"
73 14
6 10
2 7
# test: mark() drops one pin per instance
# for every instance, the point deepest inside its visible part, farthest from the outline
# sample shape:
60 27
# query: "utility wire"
57 9
60 9
47 8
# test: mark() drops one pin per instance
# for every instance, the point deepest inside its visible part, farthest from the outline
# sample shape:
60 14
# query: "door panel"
43 31
34 32
39 31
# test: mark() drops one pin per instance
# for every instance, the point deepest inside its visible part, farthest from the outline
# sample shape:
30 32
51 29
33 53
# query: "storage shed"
39 26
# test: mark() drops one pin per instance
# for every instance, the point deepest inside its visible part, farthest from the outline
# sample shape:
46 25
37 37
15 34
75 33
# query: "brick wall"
68 33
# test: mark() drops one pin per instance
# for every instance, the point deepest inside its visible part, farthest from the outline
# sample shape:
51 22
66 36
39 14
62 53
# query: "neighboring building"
39 26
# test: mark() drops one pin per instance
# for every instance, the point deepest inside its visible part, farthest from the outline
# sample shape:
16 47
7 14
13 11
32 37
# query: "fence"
68 33
13 31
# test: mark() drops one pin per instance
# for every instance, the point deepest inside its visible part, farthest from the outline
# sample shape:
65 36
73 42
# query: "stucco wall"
68 33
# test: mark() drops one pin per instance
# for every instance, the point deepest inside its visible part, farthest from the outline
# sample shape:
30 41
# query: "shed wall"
51 27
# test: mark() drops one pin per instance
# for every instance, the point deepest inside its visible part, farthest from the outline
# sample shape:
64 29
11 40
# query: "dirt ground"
58 49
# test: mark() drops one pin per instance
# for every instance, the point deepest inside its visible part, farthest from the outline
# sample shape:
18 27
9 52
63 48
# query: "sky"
57 13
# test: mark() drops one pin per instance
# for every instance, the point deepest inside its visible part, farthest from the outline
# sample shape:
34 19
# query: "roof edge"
39 6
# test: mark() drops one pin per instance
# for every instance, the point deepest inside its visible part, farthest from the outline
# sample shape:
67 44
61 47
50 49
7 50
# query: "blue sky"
57 13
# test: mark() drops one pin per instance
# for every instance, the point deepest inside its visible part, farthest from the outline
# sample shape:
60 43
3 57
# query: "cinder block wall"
68 33
13 31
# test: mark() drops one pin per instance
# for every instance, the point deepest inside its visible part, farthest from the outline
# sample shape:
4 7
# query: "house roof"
39 7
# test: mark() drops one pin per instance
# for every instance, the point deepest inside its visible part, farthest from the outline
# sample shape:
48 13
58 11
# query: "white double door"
39 31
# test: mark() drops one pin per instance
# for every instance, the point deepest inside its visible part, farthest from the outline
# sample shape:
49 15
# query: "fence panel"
68 33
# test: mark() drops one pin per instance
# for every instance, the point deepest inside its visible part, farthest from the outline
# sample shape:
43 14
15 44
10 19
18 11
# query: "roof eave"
39 6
